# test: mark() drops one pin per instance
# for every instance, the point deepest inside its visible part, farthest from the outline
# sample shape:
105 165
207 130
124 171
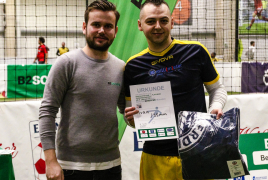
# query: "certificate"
156 117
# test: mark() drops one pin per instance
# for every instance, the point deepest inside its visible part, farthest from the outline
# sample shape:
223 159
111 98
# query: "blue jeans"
107 174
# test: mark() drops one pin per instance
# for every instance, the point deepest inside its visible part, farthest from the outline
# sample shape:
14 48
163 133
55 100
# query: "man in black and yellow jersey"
213 57
188 67
62 49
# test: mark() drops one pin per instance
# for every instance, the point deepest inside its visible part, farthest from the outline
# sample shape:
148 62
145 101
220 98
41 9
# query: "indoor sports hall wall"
208 21
25 20
213 23
220 25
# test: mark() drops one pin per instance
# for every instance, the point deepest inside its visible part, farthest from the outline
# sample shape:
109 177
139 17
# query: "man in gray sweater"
87 85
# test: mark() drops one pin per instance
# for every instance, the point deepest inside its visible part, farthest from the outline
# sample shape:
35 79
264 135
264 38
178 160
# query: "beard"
104 47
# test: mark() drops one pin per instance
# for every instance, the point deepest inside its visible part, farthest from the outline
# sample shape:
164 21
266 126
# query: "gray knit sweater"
87 91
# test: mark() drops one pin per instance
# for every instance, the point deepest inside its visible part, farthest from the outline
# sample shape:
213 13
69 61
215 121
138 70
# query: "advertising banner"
256 151
19 131
254 77
182 13
25 81
254 148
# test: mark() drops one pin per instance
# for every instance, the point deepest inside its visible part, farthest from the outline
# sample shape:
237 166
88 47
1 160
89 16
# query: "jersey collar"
164 51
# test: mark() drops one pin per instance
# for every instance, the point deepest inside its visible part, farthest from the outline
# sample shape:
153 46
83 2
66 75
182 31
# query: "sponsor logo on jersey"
153 72
162 60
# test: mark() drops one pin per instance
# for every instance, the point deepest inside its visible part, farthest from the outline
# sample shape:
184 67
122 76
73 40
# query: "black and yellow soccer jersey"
187 65
61 51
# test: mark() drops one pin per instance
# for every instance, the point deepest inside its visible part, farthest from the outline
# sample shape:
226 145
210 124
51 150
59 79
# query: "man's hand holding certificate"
156 118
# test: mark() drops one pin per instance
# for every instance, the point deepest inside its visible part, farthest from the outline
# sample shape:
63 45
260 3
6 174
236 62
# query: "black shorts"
41 62
114 173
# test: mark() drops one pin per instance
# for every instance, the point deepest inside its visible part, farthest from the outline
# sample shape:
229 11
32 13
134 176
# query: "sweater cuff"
47 144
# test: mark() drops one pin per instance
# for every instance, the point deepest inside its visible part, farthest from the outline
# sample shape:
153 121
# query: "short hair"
251 43
214 53
154 2
42 39
103 6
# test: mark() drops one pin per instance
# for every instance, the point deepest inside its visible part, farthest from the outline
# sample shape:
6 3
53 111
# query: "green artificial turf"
256 29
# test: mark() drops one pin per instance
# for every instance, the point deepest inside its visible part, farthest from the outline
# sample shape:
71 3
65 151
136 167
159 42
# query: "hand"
218 112
54 171
129 112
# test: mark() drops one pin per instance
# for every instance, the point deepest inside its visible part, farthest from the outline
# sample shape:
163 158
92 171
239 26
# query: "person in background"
42 52
87 85
213 57
62 49
188 67
251 51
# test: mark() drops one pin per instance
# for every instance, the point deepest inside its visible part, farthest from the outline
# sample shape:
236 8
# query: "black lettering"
21 80
137 3
186 141
194 135
179 143
200 128
28 78
262 158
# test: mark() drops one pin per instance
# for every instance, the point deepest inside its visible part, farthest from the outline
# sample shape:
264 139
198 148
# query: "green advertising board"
255 147
26 81
6 167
